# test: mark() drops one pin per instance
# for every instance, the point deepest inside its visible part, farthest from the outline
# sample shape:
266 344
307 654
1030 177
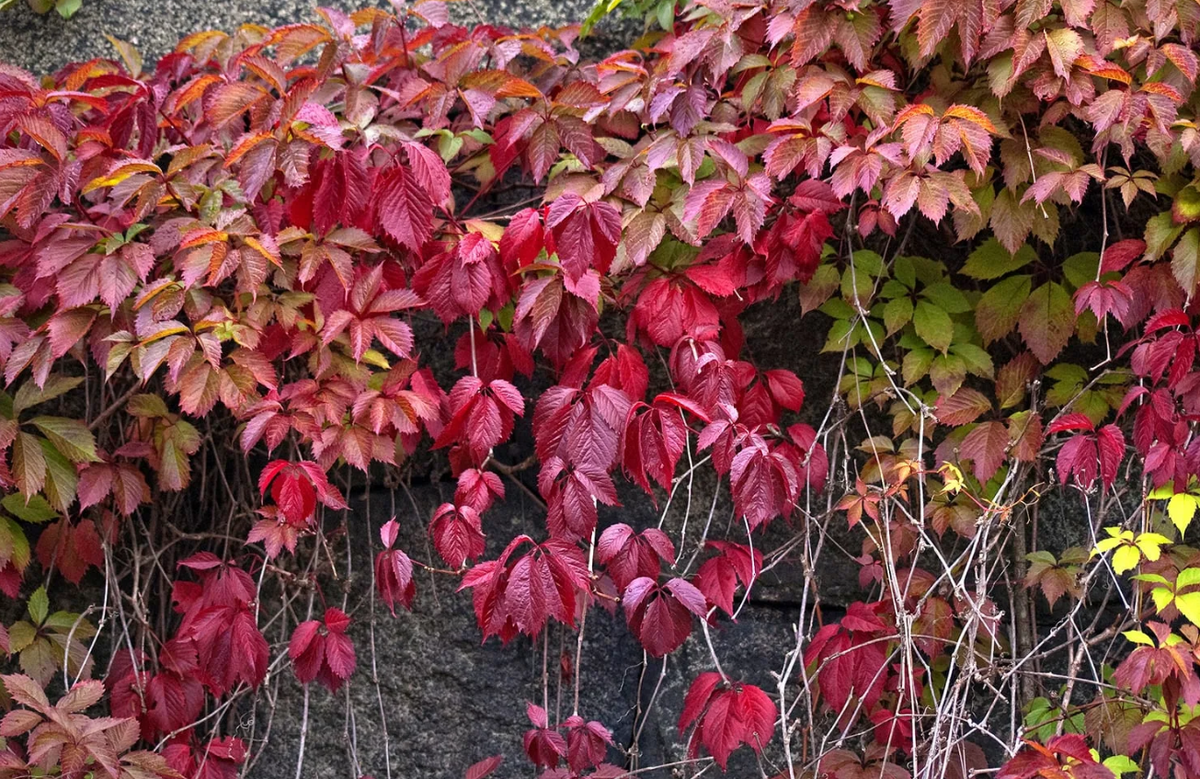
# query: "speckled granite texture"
44 43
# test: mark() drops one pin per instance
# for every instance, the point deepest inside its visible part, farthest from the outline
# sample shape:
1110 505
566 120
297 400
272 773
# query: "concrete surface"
45 43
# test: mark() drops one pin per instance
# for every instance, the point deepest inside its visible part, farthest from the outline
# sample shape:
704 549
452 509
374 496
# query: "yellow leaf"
1151 545
953 479
1138 637
1189 606
1182 508
1126 558
489 230
374 357
120 173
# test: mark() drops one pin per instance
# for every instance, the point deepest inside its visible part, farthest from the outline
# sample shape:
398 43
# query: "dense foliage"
212 274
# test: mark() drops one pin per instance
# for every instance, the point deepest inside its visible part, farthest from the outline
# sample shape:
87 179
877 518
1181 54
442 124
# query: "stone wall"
449 701
44 43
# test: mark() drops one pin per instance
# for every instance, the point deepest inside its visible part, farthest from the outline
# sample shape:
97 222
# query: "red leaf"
522 240
521 596
987 447
627 555
718 576
457 534
320 651
484 767
1111 442
1072 421
229 647
765 482
661 617
786 389
71 549
652 443
1118 256
727 716
403 208
394 579
296 487
848 660
585 234
478 489
482 415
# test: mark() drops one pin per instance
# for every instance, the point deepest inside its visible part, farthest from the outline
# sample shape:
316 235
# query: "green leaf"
1162 597
40 661
1043 557
947 373
1161 232
1047 321
837 308
893 289
20 635
70 437
28 463
857 285
1186 207
478 135
505 317
1081 268
665 14
818 289
868 262
896 314
905 271
39 606
839 336
30 394
947 298
997 311
1151 544
146 406
1121 765
67 8
933 325
915 365
64 622
1188 577
449 145
61 478
977 360
1185 261
34 509
991 260
14 546
1161 493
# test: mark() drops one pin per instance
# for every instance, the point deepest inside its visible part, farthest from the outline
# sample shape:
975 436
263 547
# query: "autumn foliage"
214 277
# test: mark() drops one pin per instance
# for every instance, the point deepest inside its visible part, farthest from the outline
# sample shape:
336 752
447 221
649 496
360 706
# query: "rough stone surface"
450 701
44 43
